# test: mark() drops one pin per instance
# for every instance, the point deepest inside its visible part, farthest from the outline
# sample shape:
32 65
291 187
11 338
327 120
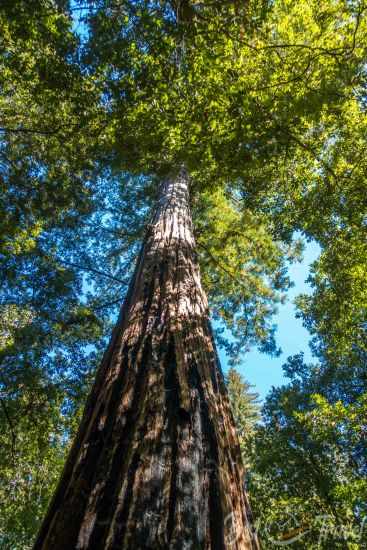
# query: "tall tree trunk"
156 463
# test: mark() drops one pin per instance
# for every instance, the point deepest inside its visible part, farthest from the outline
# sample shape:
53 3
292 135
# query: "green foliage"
31 459
246 411
308 476
220 100
49 112
336 311
244 271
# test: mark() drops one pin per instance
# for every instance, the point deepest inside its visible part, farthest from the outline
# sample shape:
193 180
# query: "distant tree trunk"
156 463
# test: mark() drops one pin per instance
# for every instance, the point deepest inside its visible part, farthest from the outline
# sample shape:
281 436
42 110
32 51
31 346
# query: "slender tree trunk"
156 463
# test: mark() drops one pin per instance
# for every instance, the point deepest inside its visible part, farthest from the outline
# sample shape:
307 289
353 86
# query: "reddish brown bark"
156 463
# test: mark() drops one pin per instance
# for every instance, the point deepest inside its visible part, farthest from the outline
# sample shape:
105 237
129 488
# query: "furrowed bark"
156 463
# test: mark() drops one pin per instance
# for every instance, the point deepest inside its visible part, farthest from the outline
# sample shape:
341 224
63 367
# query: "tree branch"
92 270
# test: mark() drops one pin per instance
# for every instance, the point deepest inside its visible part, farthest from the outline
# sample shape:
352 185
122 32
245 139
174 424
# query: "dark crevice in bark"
108 502
215 509
173 404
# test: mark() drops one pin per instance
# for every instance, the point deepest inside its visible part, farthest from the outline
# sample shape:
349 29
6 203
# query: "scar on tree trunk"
156 463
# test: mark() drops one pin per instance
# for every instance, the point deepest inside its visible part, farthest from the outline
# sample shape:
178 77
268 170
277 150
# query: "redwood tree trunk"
156 463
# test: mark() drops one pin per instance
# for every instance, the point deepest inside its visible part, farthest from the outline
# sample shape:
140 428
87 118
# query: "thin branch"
310 149
107 305
92 270
214 259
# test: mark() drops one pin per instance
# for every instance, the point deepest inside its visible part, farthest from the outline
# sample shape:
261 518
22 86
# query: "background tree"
308 466
246 411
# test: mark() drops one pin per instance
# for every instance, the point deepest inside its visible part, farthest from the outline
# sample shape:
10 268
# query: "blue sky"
263 371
